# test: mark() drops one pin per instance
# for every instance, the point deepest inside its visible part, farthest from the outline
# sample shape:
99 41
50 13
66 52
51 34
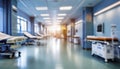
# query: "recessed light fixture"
41 8
58 21
48 21
60 17
62 14
46 18
65 8
14 7
44 14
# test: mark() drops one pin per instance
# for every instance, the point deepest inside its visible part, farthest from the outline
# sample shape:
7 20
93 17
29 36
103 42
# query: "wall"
14 19
108 18
69 30
103 4
1 16
78 27
22 14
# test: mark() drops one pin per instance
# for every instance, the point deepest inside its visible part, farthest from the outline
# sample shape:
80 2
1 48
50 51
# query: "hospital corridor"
59 34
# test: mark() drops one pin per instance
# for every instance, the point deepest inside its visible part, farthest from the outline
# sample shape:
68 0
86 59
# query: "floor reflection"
56 54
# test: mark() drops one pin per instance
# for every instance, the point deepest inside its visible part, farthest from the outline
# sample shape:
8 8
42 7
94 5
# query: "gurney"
42 35
32 38
6 41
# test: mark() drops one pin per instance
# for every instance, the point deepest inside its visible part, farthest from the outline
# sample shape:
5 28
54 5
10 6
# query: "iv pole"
113 29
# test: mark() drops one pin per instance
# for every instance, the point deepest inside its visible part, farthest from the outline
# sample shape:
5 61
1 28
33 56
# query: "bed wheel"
19 54
10 56
13 54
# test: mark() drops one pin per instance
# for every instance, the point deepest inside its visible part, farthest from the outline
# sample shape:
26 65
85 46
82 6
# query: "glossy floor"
56 54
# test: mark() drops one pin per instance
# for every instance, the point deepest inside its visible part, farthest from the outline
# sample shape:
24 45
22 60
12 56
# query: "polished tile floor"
56 54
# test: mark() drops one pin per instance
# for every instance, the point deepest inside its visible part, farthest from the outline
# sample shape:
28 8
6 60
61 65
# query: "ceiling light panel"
14 7
62 14
44 14
41 8
65 8
48 21
58 21
60 17
46 18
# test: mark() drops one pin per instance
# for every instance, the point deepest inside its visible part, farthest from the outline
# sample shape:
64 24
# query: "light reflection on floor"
56 54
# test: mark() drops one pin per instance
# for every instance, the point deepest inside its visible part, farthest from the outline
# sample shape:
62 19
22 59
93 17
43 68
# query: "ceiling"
28 6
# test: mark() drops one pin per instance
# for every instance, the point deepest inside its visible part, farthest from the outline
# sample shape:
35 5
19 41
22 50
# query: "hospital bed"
6 41
42 35
32 38
103 46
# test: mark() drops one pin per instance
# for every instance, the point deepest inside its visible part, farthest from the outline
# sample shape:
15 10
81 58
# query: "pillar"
32 24
72 28
87 26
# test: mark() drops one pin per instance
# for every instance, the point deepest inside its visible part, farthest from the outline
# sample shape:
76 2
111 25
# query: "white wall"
69 30
108 18
78 27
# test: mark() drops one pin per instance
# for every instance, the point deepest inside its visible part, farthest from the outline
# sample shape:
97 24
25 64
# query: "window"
21 24
36 28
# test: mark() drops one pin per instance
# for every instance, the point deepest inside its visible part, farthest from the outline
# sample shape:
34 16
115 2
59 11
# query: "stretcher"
6 41
31 38
41 35
103 46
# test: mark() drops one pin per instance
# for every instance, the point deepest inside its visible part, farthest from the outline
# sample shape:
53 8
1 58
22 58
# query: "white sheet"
4 36
11 39
31 36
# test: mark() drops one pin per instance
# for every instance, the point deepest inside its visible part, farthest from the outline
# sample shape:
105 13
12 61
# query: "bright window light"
44 14
62 14
41 8
65 8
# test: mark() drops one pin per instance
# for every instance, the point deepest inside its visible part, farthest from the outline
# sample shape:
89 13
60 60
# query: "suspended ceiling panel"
28 6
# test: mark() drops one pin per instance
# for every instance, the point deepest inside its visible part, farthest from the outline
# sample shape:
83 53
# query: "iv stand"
113 29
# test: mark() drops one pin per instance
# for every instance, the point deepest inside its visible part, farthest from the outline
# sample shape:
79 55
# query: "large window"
36 28
21 24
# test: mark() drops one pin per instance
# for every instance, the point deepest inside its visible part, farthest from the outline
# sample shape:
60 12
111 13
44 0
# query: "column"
72 29
87 17
32 25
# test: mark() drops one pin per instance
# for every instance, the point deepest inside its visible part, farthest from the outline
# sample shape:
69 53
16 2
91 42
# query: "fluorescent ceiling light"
108 8
62 14
60 17
48 21
46 18
65 8
58 21
14 7
41 8
44 14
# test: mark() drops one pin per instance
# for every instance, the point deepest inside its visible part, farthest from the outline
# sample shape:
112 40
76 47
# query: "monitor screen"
100 28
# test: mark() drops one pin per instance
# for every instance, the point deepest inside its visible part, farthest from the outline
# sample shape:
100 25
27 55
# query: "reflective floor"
56 54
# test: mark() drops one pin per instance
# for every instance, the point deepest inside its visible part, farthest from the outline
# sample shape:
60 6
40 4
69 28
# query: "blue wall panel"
1 16
22 14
